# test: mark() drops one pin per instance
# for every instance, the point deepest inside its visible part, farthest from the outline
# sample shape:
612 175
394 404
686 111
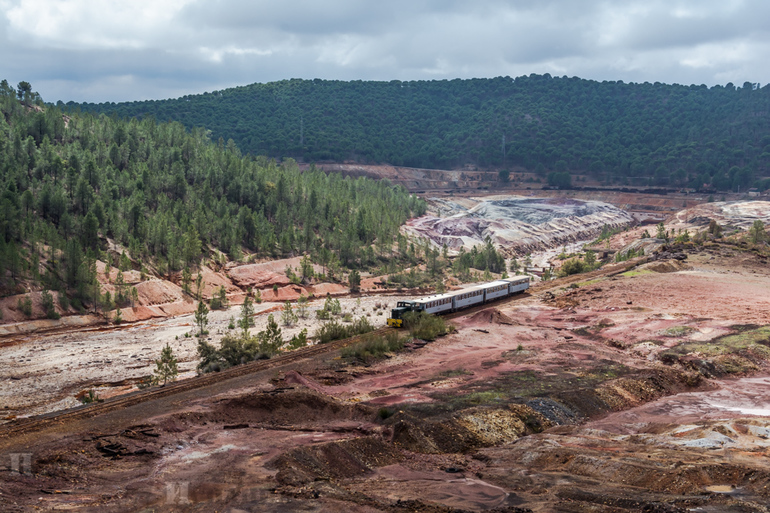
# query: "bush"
50 310
64 303
332 330
25 306
374 347
424 325
299 340
90 397
573 266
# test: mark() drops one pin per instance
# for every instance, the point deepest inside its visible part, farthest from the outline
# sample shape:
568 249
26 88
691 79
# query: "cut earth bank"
609 397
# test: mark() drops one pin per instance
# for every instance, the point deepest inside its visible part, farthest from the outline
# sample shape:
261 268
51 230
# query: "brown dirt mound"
491 316
666 266
291 407
434 436
334 460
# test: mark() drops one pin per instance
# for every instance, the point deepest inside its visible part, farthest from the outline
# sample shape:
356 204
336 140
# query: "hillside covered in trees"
71 184
641 134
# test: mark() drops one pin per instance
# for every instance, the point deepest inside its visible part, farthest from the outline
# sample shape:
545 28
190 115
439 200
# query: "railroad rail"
21 426
31 424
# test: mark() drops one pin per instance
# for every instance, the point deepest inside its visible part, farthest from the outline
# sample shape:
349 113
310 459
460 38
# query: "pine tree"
202 318
247 312
302 306
354 280
288 317
165 367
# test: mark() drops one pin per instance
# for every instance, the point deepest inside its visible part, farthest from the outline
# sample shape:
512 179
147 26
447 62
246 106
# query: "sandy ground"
46 373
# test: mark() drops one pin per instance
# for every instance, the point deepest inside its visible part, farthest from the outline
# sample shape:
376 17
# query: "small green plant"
64 302
25 306
231 324
332 330
288 316
520 347
299 340
165 367
202 318
425 326
50 310
373 347
302 306
219 301
90 397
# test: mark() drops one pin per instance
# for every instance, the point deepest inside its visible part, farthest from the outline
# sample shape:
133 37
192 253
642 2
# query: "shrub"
90 397
25 306
50 310
374 347
64 302
424 325
573 266
299 340
333 330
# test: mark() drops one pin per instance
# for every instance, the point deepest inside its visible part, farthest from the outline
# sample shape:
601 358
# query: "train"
459 299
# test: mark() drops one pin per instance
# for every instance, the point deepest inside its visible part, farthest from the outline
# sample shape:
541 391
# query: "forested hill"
633 133
170 196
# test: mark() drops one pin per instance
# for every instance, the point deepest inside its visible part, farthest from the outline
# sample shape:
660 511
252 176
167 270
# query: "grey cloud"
212 45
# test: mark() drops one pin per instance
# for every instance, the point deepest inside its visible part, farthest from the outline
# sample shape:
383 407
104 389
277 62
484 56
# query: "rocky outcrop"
740 214
518 225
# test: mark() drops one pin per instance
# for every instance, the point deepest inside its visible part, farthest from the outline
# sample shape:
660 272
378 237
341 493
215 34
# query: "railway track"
39 422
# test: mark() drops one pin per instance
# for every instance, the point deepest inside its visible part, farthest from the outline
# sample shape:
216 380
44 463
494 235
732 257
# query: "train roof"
515 279
473 288
435 297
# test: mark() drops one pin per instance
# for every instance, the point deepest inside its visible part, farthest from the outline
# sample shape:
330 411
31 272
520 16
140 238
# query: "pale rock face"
517 224
740 214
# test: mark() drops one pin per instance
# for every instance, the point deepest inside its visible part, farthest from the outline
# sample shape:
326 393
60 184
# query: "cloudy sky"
115 50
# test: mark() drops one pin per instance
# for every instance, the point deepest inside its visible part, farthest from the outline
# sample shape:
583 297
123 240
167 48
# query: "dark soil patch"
288 407
334 460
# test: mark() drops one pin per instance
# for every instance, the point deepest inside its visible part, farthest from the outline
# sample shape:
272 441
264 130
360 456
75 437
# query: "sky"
122 50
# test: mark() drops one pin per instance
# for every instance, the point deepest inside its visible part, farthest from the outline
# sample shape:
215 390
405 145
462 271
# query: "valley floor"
630 391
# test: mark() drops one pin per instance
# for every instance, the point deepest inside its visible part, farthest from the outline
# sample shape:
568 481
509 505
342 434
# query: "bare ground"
644 391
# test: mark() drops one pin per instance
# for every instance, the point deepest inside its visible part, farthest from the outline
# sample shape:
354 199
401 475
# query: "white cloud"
93 24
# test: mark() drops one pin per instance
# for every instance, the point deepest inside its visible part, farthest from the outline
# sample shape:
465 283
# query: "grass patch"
755 341
637 273
589 282
454 373
677 331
